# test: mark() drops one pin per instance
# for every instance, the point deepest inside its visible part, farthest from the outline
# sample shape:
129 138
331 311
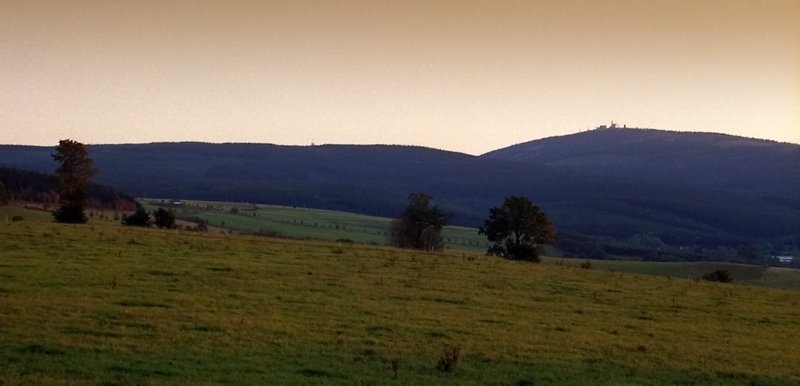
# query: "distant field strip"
308 223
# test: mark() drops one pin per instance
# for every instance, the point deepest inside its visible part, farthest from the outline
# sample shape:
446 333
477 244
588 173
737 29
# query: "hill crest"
686 189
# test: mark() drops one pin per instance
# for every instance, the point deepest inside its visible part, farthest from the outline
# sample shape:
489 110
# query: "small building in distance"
613 125
784 259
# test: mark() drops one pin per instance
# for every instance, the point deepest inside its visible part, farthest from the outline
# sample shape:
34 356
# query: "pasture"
103 304
776 277
304 223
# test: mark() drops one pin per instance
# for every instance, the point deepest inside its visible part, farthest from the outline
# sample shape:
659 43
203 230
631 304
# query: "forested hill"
631 185
364 179
710 160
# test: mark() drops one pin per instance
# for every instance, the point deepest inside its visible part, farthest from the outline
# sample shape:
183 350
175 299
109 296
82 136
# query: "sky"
467 76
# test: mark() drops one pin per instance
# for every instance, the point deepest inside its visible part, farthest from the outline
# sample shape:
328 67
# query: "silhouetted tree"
164 218
419 226
74 173
516 228
140 218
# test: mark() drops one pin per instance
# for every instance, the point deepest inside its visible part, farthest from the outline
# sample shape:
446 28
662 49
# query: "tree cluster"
161 218
516 229
419 226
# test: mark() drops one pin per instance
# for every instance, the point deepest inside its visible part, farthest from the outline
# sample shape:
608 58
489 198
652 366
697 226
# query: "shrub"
719 275
164 218
140 218
395 366
449 359
70 214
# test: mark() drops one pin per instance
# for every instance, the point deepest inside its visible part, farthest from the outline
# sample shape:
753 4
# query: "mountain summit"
708 160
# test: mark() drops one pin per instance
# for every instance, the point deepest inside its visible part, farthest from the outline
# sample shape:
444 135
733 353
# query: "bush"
140 218
718 276
164 218
70 214
449 359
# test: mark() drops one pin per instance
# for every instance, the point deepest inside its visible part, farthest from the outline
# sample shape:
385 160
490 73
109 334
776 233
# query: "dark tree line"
24 185
29 186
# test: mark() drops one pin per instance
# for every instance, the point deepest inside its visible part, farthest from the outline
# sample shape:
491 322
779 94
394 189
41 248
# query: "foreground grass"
776 277
105 304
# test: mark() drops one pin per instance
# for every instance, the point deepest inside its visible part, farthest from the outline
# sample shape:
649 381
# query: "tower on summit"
613 125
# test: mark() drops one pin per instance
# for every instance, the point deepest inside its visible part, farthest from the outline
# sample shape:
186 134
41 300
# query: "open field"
777 277
309 223
333 225
101 303
7 213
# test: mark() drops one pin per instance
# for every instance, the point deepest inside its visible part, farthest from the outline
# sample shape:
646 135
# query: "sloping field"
8 213
741 273
309 223
105 304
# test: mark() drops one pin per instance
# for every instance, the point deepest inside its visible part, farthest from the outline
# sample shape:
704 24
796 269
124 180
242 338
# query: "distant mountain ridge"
685 189
718 161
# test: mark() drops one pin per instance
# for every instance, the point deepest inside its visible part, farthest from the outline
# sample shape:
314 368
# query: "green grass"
33 214
7 213
315 224
103 304
306 223
777 277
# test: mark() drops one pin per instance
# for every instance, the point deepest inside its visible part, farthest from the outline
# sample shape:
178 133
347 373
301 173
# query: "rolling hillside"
304 223
709 160
619 186
115 305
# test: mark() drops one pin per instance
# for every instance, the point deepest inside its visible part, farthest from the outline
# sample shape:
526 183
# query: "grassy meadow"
777 277
104 304
319 224
307 223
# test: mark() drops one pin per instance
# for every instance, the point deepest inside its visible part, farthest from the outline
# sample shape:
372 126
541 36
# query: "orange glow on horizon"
470 76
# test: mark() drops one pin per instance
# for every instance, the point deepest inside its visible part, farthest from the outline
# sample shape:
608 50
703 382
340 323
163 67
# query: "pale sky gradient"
469 76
